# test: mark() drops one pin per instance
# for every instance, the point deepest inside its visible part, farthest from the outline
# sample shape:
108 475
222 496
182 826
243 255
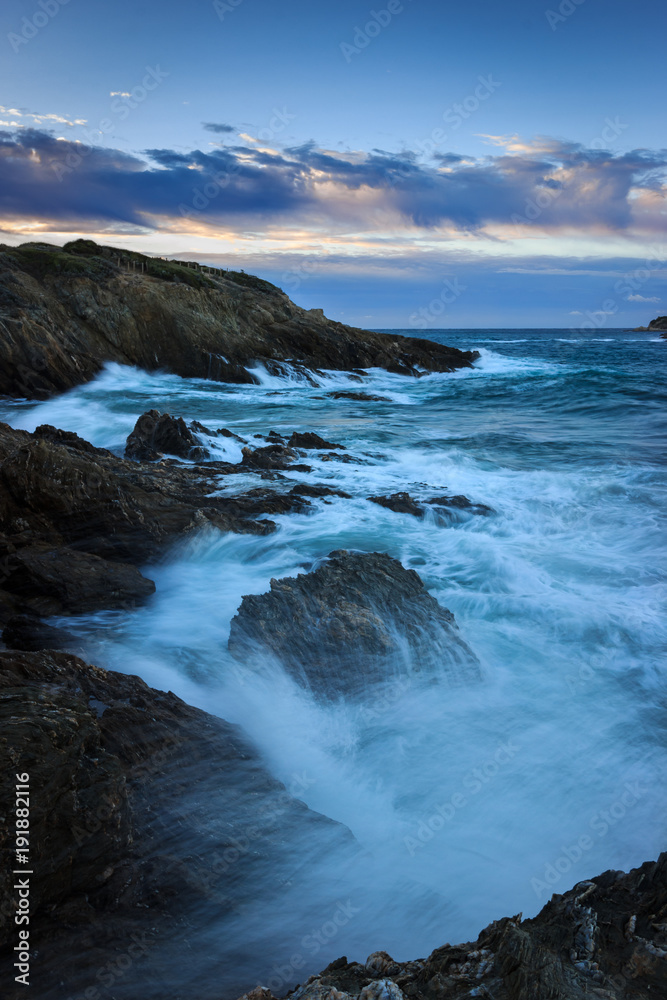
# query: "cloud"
119 93
218 127
643 298
39 119
548 187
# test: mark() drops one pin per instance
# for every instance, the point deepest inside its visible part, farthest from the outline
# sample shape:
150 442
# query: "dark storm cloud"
554 185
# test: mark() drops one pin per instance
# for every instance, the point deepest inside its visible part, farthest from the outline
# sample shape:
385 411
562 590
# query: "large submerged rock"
66 311
357 619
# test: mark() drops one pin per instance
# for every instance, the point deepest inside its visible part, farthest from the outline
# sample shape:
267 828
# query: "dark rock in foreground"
356 620
30 634
157 433
150 823
604 939
66 311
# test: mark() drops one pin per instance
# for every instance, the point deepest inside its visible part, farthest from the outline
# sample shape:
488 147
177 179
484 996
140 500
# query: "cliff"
64 312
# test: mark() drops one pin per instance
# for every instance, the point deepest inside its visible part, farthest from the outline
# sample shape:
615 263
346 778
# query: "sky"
412 164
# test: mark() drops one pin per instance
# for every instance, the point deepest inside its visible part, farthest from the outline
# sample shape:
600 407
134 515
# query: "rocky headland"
66 311
657 325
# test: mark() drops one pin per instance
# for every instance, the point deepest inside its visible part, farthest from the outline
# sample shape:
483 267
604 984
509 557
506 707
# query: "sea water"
488 797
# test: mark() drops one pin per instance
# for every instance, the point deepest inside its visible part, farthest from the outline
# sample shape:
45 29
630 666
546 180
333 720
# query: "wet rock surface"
30 634
66 311
75 520
361 397
605 938
356 619
140 810
308 440
400 503
157 433
271 457
403 503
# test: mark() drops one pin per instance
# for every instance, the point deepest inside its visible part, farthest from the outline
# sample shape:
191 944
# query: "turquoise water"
489 797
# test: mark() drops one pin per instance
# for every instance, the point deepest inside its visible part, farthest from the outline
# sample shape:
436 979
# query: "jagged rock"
333 456
149 820
157 433
356 619
66 311
403 503
309 440
381 964
230 434
605 938
72 517
318 490
461 503
273 456
264 501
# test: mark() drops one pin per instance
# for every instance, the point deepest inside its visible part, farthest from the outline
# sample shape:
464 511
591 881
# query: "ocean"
469 802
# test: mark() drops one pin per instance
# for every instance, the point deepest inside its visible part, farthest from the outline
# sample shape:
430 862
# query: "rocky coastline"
657 325
66 311
119 768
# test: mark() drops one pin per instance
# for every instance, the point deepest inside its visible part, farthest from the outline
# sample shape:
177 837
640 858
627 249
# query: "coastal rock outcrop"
66 311
76 521
356 619
311 441
157 433
149 819
605 938
403 503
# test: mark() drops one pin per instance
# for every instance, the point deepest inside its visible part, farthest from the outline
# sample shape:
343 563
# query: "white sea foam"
469 793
